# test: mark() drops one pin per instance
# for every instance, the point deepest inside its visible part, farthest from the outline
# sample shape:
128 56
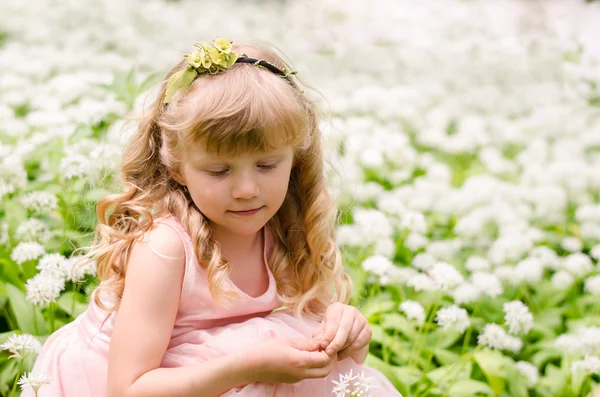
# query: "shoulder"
164 240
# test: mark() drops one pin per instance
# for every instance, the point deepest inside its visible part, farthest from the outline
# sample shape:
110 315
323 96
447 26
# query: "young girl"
225 218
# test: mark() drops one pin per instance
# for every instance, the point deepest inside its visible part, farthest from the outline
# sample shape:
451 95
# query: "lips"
246 211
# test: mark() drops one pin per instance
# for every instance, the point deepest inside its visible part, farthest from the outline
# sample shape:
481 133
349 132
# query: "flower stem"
12 393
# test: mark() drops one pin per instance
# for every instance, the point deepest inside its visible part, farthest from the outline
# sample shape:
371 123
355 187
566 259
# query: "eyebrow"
265 157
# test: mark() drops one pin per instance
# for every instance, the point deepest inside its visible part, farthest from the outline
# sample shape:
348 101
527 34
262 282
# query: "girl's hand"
279 360
344 330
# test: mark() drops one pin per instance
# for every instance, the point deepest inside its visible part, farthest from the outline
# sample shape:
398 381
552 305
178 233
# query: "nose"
245 187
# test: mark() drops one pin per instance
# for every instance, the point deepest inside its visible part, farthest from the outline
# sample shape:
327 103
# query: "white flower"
415 241
77 266
530 371
21 345
53 265
75 165
414 221
378 265
518 317
592 285
27 251
572 244
44 288
495 337
578 264
489 284
562 279
453 317
529 270
589 366
595 252
546 256
413 311
466 293
423 261
477 264
360 388
34 381
39 202
33 230
583 341
445 276
422 282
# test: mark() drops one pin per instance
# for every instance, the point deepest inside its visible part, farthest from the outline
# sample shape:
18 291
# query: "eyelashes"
263 167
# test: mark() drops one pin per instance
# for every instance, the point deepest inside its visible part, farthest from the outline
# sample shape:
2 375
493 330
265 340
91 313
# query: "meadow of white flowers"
463 146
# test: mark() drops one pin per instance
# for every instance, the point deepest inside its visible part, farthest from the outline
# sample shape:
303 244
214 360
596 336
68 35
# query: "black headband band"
262 63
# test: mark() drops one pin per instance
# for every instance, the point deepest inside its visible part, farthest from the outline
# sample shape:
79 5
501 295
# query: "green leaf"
554 380
9 272
389 373
543 356
517 386
8 372
448 374
445 357
469 388
24 312
492 364
409 375
179 80
440 338
400 323
376 306
69 303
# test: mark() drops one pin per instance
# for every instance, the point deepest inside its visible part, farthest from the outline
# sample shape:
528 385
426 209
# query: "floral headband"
212 59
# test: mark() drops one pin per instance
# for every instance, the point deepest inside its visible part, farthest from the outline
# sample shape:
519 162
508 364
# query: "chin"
247 230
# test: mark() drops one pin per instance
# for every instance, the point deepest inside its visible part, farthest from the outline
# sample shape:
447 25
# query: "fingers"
324 370
304 344
357 328
343 331
331 322
362 340
318 332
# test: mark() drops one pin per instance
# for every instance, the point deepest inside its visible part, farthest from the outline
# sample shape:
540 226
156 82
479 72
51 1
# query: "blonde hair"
242 108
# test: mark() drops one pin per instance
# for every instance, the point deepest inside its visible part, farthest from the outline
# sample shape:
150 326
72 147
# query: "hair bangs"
244 109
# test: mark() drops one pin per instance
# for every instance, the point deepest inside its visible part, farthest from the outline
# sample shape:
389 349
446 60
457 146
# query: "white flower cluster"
530 371
353 386
33 230
588 366
453 317
39 202
495 337
22 345
27 251
518 317
413 311
34 381
584 341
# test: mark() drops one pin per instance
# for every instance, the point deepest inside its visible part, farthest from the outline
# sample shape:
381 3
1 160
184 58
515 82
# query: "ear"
179 178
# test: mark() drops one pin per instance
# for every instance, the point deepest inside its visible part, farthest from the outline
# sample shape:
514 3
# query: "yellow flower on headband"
206 59
223 45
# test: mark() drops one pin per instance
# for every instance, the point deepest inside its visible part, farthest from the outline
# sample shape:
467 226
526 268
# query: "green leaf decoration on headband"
206 59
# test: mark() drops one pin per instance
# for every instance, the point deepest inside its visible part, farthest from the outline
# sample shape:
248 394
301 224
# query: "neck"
236 244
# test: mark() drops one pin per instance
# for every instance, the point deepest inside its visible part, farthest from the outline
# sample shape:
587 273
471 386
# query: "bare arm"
144 324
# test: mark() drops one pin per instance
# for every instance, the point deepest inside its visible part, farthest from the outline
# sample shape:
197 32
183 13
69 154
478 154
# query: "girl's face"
222 185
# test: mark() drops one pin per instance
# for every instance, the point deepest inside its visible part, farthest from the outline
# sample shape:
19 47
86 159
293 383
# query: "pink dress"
76 355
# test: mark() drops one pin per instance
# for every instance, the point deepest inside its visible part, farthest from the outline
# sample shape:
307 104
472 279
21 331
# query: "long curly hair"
244 108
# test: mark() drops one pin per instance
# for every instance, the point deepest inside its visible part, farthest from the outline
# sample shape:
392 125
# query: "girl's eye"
267 166
217 173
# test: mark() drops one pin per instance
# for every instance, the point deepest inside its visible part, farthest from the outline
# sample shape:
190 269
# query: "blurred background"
458 132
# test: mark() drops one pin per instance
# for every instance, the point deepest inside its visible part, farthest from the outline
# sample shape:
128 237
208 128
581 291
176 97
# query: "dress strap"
175 225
